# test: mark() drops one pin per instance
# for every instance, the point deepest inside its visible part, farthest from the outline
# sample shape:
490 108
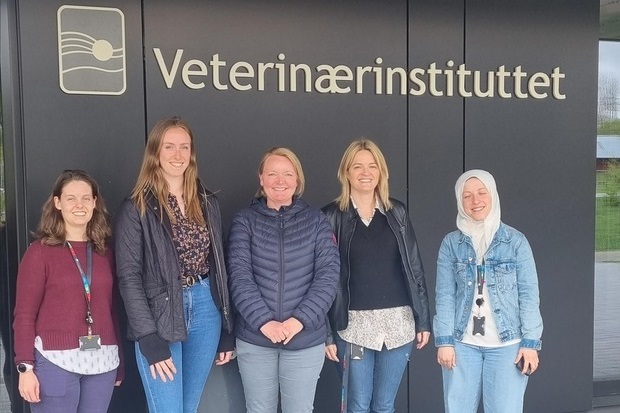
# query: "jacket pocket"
506 275
460 274
159 303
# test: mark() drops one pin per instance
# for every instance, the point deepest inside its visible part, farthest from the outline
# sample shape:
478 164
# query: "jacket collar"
260 205
501 235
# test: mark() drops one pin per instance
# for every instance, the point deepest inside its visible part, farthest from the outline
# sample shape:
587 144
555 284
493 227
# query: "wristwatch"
24 367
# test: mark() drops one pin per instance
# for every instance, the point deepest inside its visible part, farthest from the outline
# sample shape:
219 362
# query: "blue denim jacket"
511 281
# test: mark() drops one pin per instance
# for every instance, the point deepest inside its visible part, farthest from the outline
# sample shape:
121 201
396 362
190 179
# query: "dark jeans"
64 392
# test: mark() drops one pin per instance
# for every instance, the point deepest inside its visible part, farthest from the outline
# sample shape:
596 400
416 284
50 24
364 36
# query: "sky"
609 58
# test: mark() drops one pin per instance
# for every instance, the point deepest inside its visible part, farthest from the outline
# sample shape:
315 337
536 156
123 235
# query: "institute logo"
91 50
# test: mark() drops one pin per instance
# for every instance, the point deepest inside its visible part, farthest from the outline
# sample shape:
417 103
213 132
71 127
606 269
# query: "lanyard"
480 277
86 279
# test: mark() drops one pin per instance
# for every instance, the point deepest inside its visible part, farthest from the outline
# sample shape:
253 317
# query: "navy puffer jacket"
282 264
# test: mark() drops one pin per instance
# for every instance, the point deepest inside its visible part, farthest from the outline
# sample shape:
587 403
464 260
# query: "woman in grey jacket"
283 264
172 274
382 303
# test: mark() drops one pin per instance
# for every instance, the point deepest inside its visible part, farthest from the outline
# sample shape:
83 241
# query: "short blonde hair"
382 190
290 155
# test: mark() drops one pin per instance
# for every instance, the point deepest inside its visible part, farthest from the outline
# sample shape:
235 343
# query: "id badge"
479 325
357 352
88 343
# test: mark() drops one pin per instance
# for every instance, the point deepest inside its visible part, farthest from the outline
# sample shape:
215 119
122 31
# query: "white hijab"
480 232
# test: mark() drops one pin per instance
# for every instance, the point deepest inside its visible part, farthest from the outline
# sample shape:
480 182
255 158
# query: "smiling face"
175 153
76 204
363 174
279 181
476 199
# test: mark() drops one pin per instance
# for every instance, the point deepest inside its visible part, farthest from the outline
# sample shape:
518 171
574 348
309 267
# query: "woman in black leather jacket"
382 303
172 273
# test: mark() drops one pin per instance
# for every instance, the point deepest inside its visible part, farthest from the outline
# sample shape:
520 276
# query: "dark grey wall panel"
12 233
435 148
542 154
241 125
103 135
233 128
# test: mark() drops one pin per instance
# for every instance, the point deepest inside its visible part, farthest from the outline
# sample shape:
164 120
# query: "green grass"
607 225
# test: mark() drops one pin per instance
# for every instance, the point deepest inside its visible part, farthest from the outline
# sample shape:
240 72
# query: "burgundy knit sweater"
50 300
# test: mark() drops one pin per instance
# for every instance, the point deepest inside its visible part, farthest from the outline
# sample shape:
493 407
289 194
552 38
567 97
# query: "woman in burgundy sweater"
66 327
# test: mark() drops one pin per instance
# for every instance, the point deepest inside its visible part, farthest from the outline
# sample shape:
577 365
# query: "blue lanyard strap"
480 278
86 278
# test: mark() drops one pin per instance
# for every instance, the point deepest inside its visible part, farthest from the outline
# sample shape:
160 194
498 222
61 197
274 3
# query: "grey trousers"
267 372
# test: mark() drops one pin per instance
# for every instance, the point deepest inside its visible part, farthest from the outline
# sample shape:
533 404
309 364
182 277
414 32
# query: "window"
606 372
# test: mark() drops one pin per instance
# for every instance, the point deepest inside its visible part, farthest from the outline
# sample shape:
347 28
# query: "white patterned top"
81 362
393 327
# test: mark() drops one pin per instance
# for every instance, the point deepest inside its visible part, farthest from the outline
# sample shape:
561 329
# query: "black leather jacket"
343 223
147 267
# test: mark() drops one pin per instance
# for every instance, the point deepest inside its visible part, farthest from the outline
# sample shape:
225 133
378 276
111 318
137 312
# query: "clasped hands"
281 332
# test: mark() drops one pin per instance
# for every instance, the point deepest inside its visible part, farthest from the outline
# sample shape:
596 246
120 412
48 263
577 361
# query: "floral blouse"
192 242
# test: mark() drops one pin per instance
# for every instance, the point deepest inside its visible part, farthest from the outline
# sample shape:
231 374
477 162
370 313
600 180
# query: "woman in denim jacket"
488 325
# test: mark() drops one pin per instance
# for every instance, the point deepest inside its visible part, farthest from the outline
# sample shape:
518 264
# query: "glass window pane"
607 262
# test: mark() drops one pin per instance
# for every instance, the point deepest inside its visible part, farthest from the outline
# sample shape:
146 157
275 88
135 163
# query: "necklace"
367 217
370 207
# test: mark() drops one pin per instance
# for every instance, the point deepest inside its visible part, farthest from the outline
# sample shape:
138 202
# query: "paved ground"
606 326
606 410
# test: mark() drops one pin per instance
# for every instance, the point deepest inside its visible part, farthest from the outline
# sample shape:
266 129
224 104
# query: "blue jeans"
265 371
192 358
62 391
374 380
489 371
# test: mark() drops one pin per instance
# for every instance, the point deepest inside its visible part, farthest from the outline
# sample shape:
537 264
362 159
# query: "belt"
191 280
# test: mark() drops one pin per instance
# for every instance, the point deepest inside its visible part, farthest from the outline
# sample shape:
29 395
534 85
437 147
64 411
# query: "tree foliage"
608 92
612 182
610 127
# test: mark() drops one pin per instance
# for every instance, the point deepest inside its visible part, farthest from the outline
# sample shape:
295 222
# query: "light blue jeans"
489 371
192 358
374 380
265 371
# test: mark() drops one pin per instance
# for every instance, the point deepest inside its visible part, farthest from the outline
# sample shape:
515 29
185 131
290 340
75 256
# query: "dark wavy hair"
51 230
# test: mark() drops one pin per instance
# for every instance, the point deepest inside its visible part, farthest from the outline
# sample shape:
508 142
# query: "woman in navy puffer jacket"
284 269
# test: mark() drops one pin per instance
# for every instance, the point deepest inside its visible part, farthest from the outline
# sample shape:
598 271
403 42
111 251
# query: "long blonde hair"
382 190
151 178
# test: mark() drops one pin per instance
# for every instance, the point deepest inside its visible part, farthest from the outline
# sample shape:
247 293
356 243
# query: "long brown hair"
382 190
152 179
51 230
